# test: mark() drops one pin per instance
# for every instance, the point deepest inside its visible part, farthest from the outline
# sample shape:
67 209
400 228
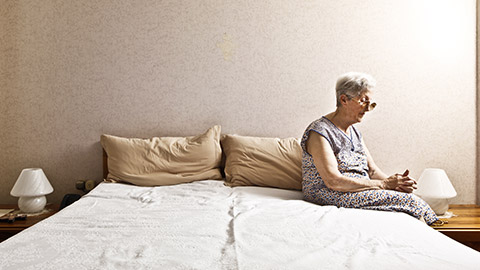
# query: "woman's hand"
400 182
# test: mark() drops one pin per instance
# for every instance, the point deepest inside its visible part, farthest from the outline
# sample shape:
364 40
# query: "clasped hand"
401 182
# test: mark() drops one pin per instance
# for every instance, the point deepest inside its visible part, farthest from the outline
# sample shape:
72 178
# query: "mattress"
207 225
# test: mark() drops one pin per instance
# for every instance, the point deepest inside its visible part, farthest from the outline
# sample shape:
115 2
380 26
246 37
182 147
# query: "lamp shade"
434 184
31 182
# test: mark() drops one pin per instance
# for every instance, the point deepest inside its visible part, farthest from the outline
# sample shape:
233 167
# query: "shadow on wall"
66 171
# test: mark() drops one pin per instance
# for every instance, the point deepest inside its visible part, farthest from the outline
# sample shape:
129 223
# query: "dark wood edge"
105 164
463 236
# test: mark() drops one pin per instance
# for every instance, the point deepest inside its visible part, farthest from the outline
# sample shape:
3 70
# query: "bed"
225 224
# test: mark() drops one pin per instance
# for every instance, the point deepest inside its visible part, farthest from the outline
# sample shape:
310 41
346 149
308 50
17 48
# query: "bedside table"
465 227
10 229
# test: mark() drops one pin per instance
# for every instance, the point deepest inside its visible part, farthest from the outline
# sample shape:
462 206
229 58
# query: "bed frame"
105 164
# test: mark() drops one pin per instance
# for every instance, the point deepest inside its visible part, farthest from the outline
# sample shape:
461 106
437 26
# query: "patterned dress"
352 162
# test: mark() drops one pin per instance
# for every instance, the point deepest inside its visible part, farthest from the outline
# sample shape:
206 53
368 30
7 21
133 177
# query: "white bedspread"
206 225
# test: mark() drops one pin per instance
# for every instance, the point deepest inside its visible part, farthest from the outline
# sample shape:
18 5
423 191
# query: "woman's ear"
343 99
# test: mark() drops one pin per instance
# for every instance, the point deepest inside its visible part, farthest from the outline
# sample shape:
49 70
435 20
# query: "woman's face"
358 106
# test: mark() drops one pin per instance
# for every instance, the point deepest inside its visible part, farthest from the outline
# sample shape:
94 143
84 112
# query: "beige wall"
478 101
72 70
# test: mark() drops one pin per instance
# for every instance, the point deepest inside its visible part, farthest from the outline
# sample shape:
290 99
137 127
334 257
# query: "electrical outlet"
85 185
89 185
80 185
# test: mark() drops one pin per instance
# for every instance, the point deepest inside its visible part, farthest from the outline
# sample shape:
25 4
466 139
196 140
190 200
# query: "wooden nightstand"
10 229
465 227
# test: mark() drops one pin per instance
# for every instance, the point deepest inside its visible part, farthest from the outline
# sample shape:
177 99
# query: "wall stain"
227 47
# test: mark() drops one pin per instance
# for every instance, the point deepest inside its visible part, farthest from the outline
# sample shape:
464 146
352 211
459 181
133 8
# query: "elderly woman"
339 170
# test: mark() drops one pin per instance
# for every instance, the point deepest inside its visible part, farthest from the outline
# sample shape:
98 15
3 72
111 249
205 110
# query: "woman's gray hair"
352 84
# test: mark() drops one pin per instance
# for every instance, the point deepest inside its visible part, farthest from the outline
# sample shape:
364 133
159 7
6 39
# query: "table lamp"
435 188
32 185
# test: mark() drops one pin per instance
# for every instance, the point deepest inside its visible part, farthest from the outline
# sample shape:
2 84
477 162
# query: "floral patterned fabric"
352 162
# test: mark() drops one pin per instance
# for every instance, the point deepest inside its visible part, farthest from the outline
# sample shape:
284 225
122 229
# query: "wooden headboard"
105 165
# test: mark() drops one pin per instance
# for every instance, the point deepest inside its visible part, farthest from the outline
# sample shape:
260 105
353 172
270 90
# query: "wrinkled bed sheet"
206 225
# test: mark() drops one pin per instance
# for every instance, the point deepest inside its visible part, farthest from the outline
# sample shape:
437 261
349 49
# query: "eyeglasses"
366 103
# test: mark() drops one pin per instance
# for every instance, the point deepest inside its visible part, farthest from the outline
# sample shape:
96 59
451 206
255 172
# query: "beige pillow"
267 162
163 161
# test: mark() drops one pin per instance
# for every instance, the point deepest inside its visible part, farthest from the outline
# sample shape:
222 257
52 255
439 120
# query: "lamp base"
32 204
439 206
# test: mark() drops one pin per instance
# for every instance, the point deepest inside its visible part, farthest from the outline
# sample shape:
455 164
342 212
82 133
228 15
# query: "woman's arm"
327 166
